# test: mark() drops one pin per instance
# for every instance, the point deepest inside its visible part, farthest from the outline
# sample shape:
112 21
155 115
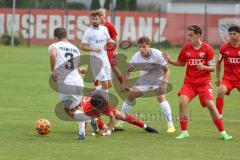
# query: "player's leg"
223 89
217 119
128 103
183 114
132 120
105 86
166 110
118 74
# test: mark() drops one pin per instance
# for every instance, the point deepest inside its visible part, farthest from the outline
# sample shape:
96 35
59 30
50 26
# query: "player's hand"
124 87
111 41
200 67
54 76
82 70
217 81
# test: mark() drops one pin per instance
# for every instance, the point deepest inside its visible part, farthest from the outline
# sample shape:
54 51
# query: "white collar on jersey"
95 27
147 58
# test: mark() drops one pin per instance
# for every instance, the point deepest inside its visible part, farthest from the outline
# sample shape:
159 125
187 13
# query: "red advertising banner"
38 25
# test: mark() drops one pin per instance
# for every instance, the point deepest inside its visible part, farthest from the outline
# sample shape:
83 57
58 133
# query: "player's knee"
221 91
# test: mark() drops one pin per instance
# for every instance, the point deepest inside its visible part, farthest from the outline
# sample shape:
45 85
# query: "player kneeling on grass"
96 105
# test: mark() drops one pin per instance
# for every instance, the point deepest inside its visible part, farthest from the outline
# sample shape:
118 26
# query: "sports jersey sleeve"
133 62
112 31
181 56
162 61
50 47
86 38
210 57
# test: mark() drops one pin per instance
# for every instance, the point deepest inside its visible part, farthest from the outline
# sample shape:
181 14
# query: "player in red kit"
198 56
93 106
229 53
111 50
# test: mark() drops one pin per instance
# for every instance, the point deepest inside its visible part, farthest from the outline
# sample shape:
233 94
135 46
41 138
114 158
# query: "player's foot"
225 136
183 135
119 124
171 129
82 137
151 130
94 125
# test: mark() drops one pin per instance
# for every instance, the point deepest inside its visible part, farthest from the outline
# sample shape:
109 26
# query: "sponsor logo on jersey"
202 54
194 62
234 60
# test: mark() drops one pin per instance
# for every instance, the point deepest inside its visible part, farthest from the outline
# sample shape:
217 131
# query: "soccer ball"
43 126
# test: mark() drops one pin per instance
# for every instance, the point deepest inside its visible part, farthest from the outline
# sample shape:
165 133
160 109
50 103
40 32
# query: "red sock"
100 123
183 123
120 79
219 124
96 83
132 120
219 102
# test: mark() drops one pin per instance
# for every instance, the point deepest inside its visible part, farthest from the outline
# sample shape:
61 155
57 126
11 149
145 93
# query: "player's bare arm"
125 78
86 47
218 69
170 61
53 53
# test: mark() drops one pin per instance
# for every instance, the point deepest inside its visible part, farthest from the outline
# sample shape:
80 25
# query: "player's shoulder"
155 51
136 56
88 30
187 46
101 27
108 24
225 47
53 45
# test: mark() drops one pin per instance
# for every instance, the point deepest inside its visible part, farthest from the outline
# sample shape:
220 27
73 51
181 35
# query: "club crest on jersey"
202 54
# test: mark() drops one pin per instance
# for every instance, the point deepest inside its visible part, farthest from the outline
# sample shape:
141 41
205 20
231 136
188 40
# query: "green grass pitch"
25 96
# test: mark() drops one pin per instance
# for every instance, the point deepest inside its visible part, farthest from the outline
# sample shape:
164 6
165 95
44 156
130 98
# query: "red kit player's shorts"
230 85
205 92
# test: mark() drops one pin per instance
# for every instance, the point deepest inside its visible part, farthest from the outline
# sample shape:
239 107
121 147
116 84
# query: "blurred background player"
95 39
153 76
111 49
64 63
199 57
230 54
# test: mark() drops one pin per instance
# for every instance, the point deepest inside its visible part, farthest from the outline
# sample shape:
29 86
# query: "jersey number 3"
70 64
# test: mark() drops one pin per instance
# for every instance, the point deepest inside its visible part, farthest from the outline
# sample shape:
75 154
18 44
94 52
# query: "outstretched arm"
170 61
218 69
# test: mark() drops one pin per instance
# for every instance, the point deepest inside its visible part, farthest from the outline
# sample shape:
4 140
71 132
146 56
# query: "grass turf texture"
25 97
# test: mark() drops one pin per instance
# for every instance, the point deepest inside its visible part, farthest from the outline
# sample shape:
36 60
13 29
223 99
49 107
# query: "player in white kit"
95 39
153 76
64 63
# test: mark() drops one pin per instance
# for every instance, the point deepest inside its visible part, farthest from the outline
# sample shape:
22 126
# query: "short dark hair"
98 101
60 33
234 28
95 14
144 39
195 28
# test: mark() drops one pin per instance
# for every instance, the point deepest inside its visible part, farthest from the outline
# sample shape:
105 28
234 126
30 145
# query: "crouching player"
96 105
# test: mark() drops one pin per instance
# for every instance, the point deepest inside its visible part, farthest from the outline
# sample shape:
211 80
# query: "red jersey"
90 111
231 57
111 30
192 57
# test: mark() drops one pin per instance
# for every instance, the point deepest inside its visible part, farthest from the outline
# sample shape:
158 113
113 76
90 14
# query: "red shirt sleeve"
111 30
181 56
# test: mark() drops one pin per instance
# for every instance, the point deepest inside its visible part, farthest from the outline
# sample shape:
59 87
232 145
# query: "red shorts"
112 58
204 91
230 85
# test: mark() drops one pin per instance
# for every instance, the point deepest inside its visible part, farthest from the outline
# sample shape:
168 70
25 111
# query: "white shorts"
145 88
81 116
69 101
101 68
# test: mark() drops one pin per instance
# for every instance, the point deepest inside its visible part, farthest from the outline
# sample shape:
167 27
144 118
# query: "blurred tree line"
121 5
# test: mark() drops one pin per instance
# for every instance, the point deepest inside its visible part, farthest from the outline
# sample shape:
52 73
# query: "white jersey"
67 62
97 38
150 68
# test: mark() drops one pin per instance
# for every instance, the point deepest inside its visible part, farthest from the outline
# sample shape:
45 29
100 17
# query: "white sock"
81 124
166 110
105 94
125 107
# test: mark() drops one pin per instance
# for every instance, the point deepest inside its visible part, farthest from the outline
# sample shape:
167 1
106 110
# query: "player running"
199 58
95 39
64 63
153 77
230 54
